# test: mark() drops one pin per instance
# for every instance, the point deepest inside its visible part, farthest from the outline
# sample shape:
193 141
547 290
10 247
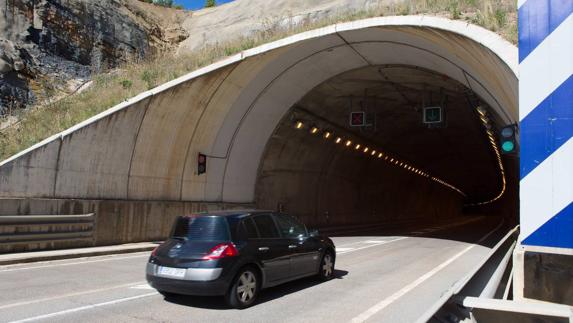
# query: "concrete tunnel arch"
146 147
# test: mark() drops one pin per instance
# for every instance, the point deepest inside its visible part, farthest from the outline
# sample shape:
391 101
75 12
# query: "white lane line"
73 263
394 297
83 308
344 245
142 286
47 299
338 249
352 245
370 245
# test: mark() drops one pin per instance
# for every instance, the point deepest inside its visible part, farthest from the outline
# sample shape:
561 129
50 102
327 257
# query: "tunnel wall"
325 184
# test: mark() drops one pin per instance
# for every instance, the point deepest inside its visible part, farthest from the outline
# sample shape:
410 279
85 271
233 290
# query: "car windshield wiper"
179 238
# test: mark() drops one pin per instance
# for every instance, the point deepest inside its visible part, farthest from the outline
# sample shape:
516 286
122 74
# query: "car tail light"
154 252
221 251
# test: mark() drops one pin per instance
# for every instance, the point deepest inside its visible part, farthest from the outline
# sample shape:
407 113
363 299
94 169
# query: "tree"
164 3
210 3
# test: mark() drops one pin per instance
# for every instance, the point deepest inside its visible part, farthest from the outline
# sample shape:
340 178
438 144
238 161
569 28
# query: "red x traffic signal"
357 118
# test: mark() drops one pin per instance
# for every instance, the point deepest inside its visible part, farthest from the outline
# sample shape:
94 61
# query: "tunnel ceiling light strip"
376 153
483 115
313 130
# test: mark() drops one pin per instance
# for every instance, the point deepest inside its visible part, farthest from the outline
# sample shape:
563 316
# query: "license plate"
171 272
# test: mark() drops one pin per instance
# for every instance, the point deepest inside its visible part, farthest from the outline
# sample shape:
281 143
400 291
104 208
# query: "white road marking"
67 295
142 286
371 245
146 254
394 297
83 308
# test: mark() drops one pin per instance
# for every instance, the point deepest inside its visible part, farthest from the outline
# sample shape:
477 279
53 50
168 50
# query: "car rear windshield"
204 228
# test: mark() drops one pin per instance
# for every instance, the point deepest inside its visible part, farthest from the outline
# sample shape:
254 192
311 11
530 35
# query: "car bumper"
197 281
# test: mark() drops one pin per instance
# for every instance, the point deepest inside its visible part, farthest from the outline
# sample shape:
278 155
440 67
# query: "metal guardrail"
42 219
25 232
482 297
500 310
459 285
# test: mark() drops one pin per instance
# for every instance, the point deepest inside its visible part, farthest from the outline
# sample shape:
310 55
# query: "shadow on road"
266 295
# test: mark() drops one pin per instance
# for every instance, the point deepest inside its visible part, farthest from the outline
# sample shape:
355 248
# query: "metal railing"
26 232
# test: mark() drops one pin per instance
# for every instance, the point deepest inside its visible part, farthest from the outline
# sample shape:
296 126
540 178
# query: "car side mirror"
313 233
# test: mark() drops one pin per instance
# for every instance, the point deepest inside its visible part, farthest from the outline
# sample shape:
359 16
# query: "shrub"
164 3
126 84
210 3
150 77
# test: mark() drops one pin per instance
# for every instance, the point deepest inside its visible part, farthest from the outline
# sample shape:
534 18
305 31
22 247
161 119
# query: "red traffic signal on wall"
201 164
357 118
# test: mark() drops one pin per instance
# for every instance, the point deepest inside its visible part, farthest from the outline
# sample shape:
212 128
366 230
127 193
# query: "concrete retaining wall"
115 221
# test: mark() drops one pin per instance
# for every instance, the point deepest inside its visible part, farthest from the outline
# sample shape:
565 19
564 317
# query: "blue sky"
196 4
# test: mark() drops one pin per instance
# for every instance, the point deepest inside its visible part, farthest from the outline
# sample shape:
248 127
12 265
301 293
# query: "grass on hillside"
109 89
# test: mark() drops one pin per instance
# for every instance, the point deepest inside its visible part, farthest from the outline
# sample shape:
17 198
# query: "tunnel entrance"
395 168
240 114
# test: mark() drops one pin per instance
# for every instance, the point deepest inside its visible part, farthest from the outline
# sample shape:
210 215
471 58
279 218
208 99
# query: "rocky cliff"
50 46
242 18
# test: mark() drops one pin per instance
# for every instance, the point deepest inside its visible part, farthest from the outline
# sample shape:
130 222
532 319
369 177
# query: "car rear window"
204 228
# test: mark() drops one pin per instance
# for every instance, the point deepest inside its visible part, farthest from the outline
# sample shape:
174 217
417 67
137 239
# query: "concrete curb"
28 257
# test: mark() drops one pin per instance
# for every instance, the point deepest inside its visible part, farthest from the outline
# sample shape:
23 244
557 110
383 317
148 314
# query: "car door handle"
263 248
292 246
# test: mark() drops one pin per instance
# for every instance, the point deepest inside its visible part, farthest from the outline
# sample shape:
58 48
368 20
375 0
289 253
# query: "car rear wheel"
244 290
326 270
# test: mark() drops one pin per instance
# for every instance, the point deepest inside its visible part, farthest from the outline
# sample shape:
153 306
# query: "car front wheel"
244 289
326 270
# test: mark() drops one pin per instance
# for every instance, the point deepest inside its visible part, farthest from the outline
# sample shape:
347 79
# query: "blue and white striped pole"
546 125
546 122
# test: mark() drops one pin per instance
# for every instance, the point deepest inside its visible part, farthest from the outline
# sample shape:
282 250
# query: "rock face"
16 64
50 42
246 17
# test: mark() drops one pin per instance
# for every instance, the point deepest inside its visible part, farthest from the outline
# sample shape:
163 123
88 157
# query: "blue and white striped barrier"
546 122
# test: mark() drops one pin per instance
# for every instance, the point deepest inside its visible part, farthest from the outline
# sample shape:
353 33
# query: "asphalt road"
380 277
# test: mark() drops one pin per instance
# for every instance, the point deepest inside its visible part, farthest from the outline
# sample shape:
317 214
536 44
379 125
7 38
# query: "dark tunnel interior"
396 168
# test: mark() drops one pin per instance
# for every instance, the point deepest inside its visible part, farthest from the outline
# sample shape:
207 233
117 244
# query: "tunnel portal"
135 166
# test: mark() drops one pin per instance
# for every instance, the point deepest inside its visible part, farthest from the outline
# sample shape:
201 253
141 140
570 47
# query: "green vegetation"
210 3
164 3
109 89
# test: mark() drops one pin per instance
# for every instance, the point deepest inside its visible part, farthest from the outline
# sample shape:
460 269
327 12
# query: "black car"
236 254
